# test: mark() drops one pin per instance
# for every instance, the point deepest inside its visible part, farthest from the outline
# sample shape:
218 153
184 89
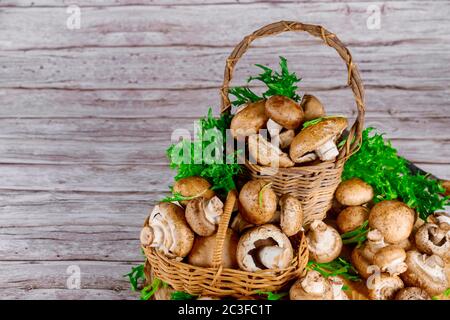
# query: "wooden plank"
48 103
65 294
158 67
196 25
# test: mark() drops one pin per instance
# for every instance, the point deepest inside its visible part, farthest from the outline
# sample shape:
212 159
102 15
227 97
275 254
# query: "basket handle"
223 227
354 80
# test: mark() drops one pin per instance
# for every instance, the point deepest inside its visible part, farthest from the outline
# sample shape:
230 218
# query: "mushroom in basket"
318 140
312 107
168 231
192 187
257 202
203 215
266 153
249 120
264 247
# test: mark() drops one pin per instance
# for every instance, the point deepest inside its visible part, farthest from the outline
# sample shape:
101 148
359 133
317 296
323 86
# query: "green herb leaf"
243 95
345 287
181 295
358 236
337 267
135 276
190 158
150 290
378 164
272 295
317 120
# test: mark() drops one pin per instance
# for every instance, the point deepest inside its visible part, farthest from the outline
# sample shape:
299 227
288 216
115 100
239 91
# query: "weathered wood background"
86 114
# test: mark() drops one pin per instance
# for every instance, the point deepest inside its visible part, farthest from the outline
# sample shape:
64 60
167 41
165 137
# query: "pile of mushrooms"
402 258
288 143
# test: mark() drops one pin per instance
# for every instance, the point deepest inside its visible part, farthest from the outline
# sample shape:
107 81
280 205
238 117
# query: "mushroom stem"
213 210
272 256
274 129
328 151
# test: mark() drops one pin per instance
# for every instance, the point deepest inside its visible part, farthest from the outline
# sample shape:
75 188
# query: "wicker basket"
219 281
314 185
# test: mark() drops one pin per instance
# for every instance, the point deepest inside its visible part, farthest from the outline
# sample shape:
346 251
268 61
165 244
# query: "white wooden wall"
86 114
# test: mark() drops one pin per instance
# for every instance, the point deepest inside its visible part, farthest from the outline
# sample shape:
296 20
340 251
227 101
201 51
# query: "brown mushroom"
432 239
318 138
202 252
412 293
203 216
362 258
239 224
249 120
385 287
168 231
284 111
324 242
426 272
312 107
394 219
266 154
257 202
264 247
291 215
313 286
354 192
351 218
391 259
192 187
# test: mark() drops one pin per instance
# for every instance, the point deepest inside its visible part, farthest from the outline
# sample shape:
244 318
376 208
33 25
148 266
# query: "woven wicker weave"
314 185
219 281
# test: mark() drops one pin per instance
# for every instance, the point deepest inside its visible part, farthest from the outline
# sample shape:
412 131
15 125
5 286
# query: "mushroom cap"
291 215
267 154
324 242
385 287
391 259
394 219
286 138
193 187
313 286
360 263
284 111
312 137
412 293
177 237
257 238
250 120
146 236
351 218
257 202
202 252
426 272
196 218
354 192
432 239
312 107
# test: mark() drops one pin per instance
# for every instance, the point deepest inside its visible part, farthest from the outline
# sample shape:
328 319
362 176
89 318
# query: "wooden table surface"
86 114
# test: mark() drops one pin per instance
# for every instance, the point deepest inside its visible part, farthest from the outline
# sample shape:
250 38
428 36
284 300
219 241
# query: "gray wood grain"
86 115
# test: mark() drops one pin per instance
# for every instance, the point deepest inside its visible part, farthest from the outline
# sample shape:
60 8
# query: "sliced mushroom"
394 219
168 231
351 218
354 192
324 242
385 287
291 215
391 259
412 293
313 286
257 202
426 272
249 120
203 216
363 257
266 154
319 138
312 107
337 284
192 187
202 252
284 111
432 239
264 247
